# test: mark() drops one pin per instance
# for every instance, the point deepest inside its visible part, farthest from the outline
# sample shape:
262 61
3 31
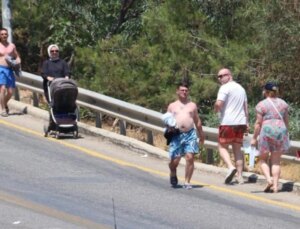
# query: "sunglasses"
222 75
52 51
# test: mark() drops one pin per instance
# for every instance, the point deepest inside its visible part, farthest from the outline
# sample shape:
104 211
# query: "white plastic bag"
250 150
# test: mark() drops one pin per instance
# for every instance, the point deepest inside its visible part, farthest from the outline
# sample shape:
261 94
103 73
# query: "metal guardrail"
126 112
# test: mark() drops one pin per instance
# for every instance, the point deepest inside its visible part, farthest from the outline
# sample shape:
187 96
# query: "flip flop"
268 187
174 180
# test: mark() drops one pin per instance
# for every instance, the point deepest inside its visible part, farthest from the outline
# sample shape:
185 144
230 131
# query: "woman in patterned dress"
272 128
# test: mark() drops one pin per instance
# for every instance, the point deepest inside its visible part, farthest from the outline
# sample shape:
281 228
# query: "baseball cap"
270 86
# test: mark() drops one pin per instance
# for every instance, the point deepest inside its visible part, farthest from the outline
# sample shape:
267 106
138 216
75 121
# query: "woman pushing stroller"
60 93
53 68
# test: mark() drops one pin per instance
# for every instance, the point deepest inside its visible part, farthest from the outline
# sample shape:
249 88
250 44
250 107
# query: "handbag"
289 142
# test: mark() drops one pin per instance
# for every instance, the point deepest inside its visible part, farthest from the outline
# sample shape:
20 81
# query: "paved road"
48 183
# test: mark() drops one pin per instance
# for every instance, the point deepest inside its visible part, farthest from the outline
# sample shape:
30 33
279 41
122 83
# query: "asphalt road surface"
92 183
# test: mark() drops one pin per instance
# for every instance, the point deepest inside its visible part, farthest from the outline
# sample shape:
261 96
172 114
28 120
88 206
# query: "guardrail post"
149 137
17 94
122 125
35 99
78 113
209 156
98 120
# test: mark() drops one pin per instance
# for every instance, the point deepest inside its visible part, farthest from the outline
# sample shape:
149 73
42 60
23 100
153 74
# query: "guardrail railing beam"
136 115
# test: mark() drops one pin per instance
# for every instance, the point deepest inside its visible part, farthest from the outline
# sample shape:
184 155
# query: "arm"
219 105
45 71
247 114
17 56
198 125
286 116
257 128
286 119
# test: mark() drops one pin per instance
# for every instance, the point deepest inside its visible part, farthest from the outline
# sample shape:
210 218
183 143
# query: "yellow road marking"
41 209
152 171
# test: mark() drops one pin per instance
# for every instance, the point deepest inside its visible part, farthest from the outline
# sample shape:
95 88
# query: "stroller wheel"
75 134
45 131
57 135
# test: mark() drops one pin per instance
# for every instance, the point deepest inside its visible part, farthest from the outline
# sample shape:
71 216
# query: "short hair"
4 29
183 83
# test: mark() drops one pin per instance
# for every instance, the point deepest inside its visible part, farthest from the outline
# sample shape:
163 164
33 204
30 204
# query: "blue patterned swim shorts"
184 143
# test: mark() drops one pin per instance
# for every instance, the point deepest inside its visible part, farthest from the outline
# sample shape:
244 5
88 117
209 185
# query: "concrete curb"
144 148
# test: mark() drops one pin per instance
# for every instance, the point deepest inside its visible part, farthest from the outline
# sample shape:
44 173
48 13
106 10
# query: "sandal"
268 188
274 190
174 180
4 114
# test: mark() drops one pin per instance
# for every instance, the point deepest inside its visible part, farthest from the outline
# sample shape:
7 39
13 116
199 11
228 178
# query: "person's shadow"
15 113
179 186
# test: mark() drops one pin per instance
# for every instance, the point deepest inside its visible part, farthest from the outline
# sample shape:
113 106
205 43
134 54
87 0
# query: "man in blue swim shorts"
185 143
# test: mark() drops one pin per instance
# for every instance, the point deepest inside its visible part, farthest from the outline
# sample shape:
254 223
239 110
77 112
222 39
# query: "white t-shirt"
234 97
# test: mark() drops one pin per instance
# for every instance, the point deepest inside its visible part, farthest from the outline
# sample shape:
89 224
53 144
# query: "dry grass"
289 171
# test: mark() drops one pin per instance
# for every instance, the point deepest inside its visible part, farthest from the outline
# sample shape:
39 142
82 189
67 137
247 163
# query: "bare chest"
6 49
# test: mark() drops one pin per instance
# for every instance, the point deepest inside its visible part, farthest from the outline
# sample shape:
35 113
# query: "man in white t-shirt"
232 107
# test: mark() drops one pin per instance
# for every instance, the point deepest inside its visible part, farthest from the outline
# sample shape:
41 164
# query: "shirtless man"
185 143
7 78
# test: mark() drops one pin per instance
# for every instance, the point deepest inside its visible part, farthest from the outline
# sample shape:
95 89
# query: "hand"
50 78
253 142
202 139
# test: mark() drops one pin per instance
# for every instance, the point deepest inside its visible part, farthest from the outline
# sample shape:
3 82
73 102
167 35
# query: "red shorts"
231 134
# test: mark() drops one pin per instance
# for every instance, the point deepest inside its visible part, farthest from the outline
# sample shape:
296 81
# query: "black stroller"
63 110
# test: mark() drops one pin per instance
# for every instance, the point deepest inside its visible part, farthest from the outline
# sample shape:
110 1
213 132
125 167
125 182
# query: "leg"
189 167
275 161
2 98
9 93
263 160
223 150
239 159
173 166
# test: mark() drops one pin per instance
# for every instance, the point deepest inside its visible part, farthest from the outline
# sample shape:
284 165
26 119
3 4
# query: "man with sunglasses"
9 61
53 68
232 107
